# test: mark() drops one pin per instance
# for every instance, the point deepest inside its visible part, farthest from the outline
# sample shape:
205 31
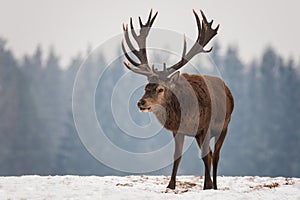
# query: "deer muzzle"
142 105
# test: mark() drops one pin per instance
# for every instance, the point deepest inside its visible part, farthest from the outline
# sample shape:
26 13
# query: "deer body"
187 104
171 117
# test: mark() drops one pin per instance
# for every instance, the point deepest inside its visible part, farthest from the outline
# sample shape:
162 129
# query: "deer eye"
160 90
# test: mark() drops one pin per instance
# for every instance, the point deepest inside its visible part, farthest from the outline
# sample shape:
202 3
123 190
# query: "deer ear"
174 78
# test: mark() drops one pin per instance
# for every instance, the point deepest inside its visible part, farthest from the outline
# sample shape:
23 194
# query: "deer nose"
141 103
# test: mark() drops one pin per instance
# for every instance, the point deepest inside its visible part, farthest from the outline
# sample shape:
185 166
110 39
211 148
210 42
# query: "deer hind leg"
179 140
216 154
206 155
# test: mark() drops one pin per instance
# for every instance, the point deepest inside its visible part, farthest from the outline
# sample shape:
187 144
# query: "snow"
146 187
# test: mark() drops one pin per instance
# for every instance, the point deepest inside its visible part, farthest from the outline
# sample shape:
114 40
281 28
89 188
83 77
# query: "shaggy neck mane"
169 116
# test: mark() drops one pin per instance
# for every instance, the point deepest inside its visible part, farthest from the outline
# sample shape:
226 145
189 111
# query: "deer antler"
141 54
205 34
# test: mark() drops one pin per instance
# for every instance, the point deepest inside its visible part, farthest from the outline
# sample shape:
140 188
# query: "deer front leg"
179 139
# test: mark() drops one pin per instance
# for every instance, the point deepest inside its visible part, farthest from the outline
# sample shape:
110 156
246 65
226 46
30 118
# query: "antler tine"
149 18
182 62
198 24
127 56
165 67
153 18
133 33
184 48
205 34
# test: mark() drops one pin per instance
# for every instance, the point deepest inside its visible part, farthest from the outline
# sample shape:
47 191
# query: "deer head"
161 81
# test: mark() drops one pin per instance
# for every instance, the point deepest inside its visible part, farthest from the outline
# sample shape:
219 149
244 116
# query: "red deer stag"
169 97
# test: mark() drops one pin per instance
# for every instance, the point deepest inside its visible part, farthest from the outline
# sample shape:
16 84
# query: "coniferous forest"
38 135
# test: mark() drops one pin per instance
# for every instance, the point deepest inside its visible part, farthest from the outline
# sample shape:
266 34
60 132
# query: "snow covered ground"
145 187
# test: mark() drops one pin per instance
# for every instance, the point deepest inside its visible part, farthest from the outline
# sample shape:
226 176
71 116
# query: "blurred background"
43 43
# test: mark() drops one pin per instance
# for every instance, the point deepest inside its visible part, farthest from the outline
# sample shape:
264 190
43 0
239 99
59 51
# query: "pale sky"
70 26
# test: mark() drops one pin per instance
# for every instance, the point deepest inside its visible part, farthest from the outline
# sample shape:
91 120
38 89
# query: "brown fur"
178 112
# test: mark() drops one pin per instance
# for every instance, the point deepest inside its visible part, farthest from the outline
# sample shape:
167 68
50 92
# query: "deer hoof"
171 185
